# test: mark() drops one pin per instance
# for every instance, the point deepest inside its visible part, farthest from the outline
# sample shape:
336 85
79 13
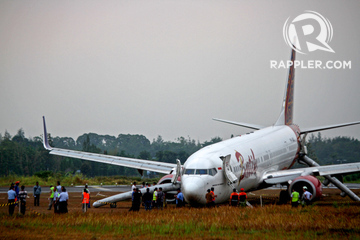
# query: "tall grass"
224 222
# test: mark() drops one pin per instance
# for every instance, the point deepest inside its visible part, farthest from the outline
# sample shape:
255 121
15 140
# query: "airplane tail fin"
286 114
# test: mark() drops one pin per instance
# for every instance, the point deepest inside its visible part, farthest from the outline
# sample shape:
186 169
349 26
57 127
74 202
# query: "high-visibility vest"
295 196
86 197
154 195
52 192
213 196
242 196
234 196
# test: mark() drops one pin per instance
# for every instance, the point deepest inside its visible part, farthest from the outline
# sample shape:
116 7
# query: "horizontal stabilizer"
316 129
247 125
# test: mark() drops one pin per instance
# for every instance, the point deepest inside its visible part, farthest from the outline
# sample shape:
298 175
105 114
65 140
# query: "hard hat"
242 189
304 187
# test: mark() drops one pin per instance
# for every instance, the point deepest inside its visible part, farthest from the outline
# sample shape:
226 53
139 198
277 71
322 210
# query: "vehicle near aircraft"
252 161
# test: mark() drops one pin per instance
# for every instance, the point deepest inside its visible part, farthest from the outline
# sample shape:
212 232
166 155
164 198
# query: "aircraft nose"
193 191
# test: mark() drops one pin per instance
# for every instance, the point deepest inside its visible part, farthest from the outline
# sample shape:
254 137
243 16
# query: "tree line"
27 156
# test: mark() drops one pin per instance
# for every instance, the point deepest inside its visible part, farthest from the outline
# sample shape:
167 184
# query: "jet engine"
169 196
312 183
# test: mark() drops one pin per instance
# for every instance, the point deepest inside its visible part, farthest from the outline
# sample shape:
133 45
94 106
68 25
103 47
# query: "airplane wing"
241 124
139 164
316 129
127 195
275 177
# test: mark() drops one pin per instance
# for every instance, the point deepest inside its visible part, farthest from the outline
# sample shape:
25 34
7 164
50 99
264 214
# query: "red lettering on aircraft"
249 168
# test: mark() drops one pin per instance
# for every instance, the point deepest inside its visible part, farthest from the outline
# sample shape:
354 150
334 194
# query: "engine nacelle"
312 183
167 179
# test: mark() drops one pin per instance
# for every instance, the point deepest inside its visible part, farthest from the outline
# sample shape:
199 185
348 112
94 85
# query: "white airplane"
252 161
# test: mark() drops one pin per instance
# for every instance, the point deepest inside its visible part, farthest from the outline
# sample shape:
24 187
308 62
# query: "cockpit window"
202 171
211 172
189 171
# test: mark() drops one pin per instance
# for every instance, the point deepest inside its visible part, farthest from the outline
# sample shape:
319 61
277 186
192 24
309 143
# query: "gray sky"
168 67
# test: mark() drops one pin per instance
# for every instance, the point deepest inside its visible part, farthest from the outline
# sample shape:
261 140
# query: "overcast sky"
168 67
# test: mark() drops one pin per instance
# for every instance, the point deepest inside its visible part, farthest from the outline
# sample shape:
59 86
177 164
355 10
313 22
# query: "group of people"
152 200
240 198
17 197
149 200
210 197
58 198
305 198
237 199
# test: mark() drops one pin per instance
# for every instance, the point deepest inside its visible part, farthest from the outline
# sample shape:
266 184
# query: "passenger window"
189 171
201 171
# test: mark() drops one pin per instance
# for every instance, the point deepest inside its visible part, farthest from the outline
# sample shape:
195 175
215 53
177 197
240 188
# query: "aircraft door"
177 172
229 175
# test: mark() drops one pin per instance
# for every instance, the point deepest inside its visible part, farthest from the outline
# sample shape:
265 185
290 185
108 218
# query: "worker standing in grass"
17 188
51 197
209 198
160 199
154 198
88 191
11 200
294 198
213 196
137 200
147 199
22 198
63 200
85 200
37 192
234 198
180 199
306 197
242 198
56 201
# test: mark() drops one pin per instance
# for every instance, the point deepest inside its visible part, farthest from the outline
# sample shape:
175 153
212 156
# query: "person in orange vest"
208 198
85 200
213 196
242 197
234 198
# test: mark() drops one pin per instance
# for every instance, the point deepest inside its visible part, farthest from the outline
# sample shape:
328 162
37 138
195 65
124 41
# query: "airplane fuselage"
270 149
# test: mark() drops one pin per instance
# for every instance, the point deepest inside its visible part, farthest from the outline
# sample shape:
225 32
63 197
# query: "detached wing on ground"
139 164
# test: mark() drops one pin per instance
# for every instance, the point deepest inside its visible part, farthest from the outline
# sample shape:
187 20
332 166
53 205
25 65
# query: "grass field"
324 221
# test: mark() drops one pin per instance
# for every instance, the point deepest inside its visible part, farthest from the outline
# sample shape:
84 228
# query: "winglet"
45 137
286 114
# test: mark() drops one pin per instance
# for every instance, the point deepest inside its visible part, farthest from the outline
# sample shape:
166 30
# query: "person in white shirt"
133 186
58 187
306 197
63 199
